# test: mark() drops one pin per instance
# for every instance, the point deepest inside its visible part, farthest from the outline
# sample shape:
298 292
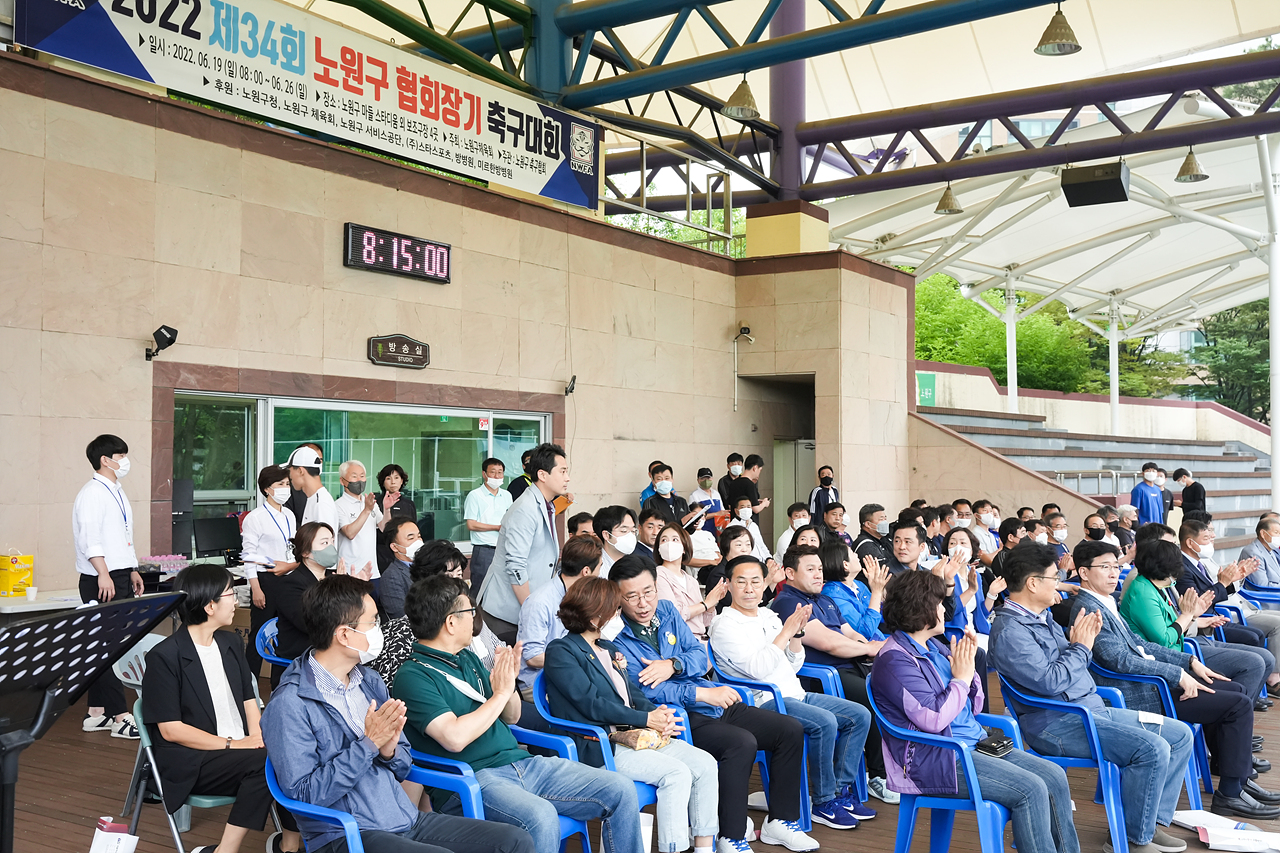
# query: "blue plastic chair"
746 687
1108 790
1259 595
829 678
467 789
265 642
1198 764
560 744
991 816
647 794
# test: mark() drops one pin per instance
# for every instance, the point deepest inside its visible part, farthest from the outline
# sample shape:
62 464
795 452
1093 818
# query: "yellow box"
17 574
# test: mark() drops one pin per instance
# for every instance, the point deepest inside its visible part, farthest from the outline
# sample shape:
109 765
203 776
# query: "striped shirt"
347 699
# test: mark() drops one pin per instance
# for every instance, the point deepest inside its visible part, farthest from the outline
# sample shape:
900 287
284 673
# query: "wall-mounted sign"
926 389
274 60
399 351
382 251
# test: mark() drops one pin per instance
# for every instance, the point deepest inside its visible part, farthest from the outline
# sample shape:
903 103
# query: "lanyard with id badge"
119 502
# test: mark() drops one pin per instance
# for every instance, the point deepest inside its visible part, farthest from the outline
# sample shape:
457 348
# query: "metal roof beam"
1204 219
574 18
1157 315
1088 274
1169 278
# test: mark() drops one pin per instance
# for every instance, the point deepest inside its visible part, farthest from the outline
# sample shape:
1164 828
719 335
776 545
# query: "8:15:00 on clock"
376 250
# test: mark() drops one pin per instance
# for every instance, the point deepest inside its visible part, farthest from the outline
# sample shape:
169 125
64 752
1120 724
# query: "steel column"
1011 345
1113 364
1269 166
550 52
786 102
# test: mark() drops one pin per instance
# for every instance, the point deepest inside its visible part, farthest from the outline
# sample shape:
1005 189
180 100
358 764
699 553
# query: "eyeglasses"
377 623
637 597
1053 578
1103 566
460 612
228 594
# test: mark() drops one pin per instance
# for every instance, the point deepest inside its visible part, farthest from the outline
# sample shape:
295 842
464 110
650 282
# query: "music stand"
47 664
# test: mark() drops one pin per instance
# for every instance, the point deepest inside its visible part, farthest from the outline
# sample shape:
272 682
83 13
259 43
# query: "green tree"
1252 93
1145 370
1233 362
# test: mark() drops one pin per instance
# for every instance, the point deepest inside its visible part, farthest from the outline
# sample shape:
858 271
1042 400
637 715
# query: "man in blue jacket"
671 664
335 739
1029 650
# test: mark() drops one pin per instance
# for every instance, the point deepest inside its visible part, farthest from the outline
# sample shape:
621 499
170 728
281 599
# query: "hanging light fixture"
948 205
742 106
1058 39
1191 172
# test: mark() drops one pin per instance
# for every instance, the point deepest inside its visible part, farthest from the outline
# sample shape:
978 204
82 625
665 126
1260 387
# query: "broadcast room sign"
279 62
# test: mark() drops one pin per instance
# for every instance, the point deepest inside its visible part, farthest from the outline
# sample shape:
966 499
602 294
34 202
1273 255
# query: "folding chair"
130 669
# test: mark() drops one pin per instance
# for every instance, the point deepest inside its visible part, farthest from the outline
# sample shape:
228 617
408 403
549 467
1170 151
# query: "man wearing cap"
708 497
304 475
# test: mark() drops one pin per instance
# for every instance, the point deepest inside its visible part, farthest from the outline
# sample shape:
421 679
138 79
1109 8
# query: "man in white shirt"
483 511
266 546
753 643
304 474
798 516
102 526
360 518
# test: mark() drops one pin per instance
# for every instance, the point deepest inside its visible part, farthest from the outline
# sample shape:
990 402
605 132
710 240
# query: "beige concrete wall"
974 388
945 466
113 225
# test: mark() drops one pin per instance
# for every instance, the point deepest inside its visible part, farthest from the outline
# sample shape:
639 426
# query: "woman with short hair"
200 708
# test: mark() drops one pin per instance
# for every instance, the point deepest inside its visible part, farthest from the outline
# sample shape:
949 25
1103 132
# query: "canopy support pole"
1113 365
1269 166
1011 345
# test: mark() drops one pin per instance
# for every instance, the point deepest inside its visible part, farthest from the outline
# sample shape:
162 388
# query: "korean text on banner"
284 64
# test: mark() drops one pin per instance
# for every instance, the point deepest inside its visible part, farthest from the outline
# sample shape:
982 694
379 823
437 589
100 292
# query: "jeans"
688 790
1037 795
441 833
1152 759
534 792
837 730
855 690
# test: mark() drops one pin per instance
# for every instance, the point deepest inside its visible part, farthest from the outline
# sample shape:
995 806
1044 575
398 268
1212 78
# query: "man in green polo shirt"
455 710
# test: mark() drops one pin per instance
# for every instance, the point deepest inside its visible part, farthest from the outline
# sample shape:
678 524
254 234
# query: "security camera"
745 330
165 337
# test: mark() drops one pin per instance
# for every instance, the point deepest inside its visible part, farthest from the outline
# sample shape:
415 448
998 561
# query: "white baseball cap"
305 457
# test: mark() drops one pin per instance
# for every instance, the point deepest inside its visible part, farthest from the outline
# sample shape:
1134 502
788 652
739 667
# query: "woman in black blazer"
587 681
199 707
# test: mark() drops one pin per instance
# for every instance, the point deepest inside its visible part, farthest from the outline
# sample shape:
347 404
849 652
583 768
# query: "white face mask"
963 522
1061 535
1159 480
1206 551
671 551
735 470
411 550
374 636
123 470
494 482
745 513
797 523
1042 538
624 544
960 551
882 527
281 494
987 519
846 519
1149 476
662 487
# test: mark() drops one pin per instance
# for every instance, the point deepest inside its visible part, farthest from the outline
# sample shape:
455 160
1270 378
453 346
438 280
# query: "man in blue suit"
525 556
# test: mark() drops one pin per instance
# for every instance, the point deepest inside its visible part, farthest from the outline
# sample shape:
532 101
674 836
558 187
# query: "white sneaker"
126 728
100 723
751 835
787 834
879 788
733 845
758 802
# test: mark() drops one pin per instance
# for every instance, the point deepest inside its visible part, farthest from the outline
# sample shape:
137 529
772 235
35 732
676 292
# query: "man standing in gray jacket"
527 549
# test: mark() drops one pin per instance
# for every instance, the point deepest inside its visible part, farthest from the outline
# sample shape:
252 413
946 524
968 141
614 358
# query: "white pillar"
1011 345
1113 366
1269 163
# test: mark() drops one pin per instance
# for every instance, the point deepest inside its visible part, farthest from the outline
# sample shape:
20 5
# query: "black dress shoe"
1261 765
1259 706
1243 806
1257 747
1259 740
1261 794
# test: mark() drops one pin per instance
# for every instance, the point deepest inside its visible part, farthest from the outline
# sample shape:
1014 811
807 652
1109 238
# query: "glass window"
213 444
512 437
441 453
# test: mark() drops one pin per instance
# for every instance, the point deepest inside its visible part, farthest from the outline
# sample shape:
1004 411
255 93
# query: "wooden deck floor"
69 778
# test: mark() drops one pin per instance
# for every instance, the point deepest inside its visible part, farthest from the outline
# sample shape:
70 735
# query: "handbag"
639 739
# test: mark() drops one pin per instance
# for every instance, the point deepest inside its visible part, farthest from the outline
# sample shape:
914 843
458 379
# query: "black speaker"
184 495
1101 184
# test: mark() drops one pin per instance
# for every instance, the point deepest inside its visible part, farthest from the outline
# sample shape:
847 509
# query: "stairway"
1236 478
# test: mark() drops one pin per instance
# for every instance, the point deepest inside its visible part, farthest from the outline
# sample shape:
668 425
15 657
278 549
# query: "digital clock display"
399 254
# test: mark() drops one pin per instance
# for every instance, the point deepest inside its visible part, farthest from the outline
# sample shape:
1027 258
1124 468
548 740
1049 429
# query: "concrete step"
978 417
1158 450
1119 460
1229 524
1215 482
1226 501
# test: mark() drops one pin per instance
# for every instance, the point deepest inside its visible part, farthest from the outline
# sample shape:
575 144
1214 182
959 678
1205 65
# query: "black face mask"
826 481
1113 525
1096 533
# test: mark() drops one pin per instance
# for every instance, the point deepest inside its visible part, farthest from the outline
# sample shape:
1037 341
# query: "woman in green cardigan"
1146 605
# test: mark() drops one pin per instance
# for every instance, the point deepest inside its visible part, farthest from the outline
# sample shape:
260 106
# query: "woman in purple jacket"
922 685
